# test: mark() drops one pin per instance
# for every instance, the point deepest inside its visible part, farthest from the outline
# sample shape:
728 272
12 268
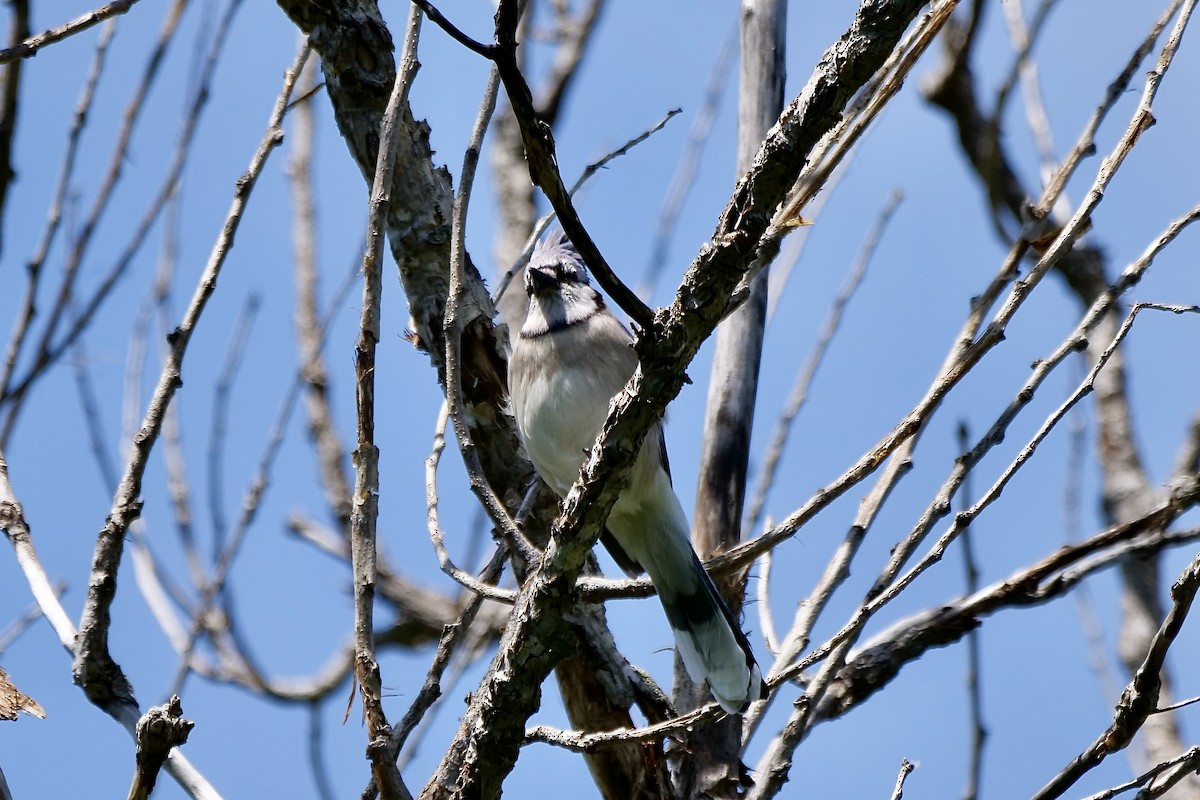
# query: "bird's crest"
556 250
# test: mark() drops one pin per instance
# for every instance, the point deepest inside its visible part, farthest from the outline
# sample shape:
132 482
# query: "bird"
569 359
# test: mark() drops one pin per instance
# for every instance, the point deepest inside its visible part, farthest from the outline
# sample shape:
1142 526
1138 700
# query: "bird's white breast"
562 384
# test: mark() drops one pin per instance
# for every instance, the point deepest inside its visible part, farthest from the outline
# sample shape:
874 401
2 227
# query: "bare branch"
310 338
94 669
366 455
1140 697
29 47
970 351
49 351
12 521
872 666
33 268
589 742
804 379
465 579
1184 764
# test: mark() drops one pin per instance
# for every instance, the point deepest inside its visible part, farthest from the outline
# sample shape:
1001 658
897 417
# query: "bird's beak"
538 281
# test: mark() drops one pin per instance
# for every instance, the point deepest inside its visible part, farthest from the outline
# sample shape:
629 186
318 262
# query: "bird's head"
557 284
555 266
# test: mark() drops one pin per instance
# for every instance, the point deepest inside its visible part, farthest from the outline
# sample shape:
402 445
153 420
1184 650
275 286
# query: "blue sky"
1042 701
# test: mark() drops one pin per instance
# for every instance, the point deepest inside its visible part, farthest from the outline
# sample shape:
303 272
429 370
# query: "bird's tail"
710 641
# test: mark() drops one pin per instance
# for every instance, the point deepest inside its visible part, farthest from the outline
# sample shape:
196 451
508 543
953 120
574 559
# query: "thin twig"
1035 110
1188 761
829 328
580 742
1140 697
310 335
1023 39
973 350
541 154
459 313
91 417
33 267
16 528
588 172
452 636
30 46
689 162
364 515
94 670
602 162
762 596
48 351
445 562
974 662
21 624
316 757
130 118
238 341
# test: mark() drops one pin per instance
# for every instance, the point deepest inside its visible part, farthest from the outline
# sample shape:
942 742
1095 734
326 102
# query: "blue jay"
570 359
